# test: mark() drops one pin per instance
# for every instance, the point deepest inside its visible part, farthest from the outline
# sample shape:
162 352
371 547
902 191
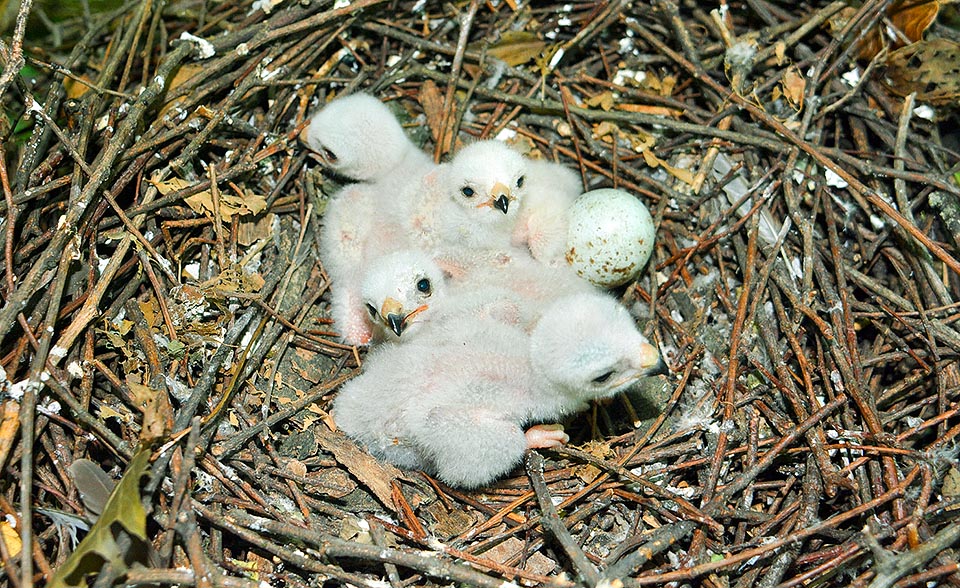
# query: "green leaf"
100 545
176 349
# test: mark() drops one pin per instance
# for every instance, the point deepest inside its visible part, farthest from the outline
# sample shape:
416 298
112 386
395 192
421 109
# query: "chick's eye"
423 285
371 310
467 191
520 181
330 156
603 377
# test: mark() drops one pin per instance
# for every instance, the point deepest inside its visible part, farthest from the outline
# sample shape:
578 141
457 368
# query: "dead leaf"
794 85
76 89
376 476
156 409
517 47
929 68
598 449
606 129
11 538
93 484
449 523
908 19
9 425
604 100
252 230
683 175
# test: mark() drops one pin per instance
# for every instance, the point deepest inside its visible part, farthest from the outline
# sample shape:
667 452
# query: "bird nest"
168 359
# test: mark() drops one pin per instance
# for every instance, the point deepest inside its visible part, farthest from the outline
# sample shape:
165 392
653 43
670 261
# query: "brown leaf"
909 17
929 68
793 84
431 100
376 476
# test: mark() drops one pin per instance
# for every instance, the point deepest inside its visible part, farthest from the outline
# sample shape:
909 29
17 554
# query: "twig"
551 521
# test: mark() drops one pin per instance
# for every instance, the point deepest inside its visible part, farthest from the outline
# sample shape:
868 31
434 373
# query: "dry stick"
747 477
102 172
447 126
759 138
11 222
692 511
856 186
28 406
13 57
236 441
552 523
733 362
659 540
894 567
329 546
771 548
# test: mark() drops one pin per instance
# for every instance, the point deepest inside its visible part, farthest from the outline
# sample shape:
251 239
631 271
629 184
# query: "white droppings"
53 407
555 60
192 270
44 376
925 111
205 48
341 4
834 180
73 368
852 77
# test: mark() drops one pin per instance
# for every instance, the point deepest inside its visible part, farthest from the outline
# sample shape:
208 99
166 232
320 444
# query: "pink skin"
545 436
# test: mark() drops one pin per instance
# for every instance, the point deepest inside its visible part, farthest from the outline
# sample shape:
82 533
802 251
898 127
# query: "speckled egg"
610 237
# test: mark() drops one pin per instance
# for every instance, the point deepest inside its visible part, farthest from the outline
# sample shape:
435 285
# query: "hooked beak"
651 362
500 197
396 323
303 136
392 313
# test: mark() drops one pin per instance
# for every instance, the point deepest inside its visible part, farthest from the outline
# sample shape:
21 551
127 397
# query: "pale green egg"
610 238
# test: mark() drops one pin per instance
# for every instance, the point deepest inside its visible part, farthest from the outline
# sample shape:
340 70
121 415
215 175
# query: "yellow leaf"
605 129
780 50
11 539
516 47
681 174
106 412
604 100
171 185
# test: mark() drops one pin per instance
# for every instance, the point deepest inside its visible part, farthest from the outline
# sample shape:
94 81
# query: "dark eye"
520 182
329 155
603 377
371 310
467 191
423 285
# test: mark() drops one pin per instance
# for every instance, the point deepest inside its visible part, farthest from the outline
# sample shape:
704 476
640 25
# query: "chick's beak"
651 362
500 197
392 313
304 136
396 323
